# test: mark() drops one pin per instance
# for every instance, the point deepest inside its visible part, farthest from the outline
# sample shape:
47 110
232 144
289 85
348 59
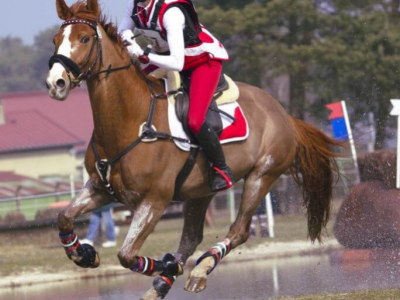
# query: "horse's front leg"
87 200
143 223
194 211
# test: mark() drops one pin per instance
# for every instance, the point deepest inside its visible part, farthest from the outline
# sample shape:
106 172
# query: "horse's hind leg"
87 200
194 212
255 189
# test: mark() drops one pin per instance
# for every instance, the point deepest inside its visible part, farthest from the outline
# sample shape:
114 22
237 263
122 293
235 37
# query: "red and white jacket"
200 44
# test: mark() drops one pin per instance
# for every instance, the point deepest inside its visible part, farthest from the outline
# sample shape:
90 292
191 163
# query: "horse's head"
77 47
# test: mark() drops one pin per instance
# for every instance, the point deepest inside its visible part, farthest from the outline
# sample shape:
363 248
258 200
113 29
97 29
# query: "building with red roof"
40 136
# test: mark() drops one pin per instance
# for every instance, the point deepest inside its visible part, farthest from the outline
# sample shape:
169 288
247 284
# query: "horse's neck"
119 101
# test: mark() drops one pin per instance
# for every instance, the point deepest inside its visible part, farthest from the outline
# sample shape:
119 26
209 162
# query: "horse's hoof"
151 294
88 257
96 262
162 284
196 284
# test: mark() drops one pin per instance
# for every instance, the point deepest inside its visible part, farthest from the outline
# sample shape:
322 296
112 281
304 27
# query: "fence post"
270 215
231 200
72 184
18 199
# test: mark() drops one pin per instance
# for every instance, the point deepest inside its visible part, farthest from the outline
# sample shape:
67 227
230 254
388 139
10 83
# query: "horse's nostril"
60 83
47 86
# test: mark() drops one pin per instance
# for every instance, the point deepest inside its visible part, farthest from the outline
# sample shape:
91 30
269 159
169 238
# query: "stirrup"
227 177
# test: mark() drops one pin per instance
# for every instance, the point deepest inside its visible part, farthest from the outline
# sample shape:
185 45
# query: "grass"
364 295
29 207
33 250
40 250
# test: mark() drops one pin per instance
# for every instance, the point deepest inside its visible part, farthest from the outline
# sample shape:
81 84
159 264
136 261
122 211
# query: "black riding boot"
220 176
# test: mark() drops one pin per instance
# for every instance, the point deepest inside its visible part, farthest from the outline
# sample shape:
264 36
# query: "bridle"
79 73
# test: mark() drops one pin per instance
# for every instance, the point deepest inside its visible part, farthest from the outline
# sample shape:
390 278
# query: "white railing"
29 205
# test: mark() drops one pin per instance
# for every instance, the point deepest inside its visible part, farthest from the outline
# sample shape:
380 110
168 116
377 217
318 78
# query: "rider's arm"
174 23
127 23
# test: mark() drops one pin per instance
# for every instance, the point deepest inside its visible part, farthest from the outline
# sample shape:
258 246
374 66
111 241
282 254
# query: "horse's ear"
64 12
93 6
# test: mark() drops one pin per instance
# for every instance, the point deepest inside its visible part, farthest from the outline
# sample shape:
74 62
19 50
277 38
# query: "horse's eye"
54 42
85 39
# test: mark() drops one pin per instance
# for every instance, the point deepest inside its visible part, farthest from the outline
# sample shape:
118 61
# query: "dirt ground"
365 295
35 255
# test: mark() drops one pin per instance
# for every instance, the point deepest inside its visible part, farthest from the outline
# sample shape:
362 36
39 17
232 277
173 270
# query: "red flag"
337 110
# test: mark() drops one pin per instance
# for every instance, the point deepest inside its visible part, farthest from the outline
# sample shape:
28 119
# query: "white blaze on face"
64 49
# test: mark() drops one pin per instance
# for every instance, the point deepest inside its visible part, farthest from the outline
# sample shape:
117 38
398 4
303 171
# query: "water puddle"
340 271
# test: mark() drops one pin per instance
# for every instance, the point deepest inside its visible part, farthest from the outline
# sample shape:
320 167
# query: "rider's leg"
221 176
203 82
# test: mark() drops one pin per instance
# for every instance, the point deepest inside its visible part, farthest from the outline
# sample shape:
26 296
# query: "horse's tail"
315 162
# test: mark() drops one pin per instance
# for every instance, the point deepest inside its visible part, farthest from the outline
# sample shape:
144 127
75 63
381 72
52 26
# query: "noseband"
78 72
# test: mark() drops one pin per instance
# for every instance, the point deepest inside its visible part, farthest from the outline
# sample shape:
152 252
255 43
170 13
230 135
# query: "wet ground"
340 271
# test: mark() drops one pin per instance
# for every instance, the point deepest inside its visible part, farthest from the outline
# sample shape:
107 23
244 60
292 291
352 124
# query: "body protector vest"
198 41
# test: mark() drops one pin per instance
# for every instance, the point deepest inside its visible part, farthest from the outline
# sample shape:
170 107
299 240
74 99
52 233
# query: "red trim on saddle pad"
232 131
236 129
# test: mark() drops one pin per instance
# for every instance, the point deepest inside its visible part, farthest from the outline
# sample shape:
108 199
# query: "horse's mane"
80 11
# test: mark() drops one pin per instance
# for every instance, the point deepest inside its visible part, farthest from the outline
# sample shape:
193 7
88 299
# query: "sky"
27 18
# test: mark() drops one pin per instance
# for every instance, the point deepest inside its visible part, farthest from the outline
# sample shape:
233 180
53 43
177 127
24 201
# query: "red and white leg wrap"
218 252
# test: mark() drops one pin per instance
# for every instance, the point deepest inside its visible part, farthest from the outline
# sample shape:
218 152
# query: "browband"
79 21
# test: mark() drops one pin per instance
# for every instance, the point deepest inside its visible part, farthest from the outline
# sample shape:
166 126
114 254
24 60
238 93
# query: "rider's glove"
130 44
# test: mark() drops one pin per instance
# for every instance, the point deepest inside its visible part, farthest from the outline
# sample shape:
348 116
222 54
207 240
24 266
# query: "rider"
180 43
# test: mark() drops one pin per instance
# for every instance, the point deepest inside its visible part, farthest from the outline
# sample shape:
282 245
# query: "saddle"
226 92
213 114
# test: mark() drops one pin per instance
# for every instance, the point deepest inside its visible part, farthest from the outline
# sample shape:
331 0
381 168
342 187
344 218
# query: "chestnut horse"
142 175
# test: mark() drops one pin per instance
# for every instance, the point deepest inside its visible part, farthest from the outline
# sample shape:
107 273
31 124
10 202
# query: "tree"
15 66
275 37
359 61
22 67
227 4
44 49
333 49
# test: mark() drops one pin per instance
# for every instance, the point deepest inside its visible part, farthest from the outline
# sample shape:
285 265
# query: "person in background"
103 213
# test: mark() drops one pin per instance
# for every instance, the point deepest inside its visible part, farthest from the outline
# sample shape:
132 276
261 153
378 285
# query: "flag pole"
351 140
396 112
398 154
